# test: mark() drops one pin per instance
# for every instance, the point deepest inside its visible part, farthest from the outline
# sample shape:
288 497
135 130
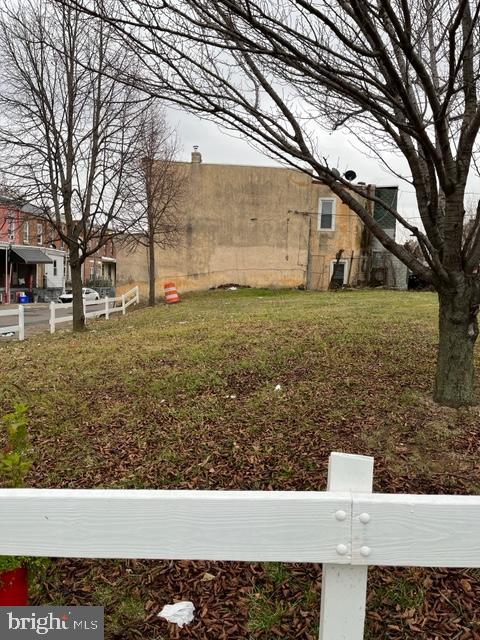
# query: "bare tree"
69 128
157 191
399 74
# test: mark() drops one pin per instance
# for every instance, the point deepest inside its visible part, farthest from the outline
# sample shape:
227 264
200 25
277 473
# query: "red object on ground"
171 295
14 588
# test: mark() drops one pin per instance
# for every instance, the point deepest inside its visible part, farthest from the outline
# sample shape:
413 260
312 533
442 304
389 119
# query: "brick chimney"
196 155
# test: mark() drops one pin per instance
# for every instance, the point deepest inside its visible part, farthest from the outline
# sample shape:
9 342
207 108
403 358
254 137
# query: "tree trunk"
458 330
151 272
77 307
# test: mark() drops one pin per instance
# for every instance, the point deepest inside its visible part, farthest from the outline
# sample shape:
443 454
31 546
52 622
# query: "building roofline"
266 166
233 164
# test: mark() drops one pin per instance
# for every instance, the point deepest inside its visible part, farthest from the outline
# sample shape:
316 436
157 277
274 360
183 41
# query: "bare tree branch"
69 131
157 188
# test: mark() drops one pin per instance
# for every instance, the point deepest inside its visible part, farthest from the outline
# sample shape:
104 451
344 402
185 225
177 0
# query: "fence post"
21 322
123 304
137 294
52 317
344 587
107 312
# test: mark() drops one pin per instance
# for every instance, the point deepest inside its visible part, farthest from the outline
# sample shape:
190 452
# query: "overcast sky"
217 146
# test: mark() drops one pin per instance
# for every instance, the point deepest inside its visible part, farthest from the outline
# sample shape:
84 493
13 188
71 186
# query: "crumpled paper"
180 613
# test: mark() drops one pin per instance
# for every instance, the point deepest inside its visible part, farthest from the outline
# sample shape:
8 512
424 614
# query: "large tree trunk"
458 330
77 307
151 273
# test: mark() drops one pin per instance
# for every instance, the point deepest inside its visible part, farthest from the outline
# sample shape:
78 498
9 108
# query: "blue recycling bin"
23 299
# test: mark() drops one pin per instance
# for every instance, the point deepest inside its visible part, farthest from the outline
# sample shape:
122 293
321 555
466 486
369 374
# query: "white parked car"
87 294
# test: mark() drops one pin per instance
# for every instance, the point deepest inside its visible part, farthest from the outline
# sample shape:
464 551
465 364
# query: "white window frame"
11 227
39 233
345 270
26 232
334 211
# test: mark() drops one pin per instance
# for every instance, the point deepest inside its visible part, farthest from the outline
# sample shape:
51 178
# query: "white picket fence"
19 327
347 528
103 307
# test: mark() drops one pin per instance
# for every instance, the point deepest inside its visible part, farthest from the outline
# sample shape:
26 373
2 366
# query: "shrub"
15 462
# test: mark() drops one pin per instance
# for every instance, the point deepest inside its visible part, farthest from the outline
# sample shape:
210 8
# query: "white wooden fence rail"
347 528
104 306
15 328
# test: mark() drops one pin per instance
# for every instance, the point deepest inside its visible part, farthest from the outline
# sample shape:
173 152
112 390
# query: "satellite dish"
336 173
350 175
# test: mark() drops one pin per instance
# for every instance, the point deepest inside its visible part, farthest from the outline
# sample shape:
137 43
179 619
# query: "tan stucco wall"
240 226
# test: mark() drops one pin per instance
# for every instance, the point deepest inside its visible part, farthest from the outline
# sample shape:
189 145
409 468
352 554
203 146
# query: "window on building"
338 273
54 268
39 233
26 232
11 228
326 214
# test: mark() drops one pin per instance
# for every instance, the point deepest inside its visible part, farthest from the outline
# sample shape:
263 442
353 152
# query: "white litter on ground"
278 387
232 288
180 613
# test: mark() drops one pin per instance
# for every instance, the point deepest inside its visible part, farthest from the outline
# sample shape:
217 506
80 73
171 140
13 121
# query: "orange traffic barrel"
171 295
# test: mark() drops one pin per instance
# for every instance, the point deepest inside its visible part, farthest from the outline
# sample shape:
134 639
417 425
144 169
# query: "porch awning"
30 255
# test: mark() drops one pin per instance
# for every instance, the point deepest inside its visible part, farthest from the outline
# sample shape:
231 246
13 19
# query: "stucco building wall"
249 225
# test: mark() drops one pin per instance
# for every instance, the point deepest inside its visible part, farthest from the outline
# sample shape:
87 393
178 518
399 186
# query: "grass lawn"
183 397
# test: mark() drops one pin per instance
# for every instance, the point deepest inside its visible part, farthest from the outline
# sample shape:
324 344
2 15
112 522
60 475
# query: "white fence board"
205 525
11 329
14 328
63 319
100 310
416 530
402 530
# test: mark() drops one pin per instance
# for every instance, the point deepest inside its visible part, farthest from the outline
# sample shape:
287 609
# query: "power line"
467 193
354 215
